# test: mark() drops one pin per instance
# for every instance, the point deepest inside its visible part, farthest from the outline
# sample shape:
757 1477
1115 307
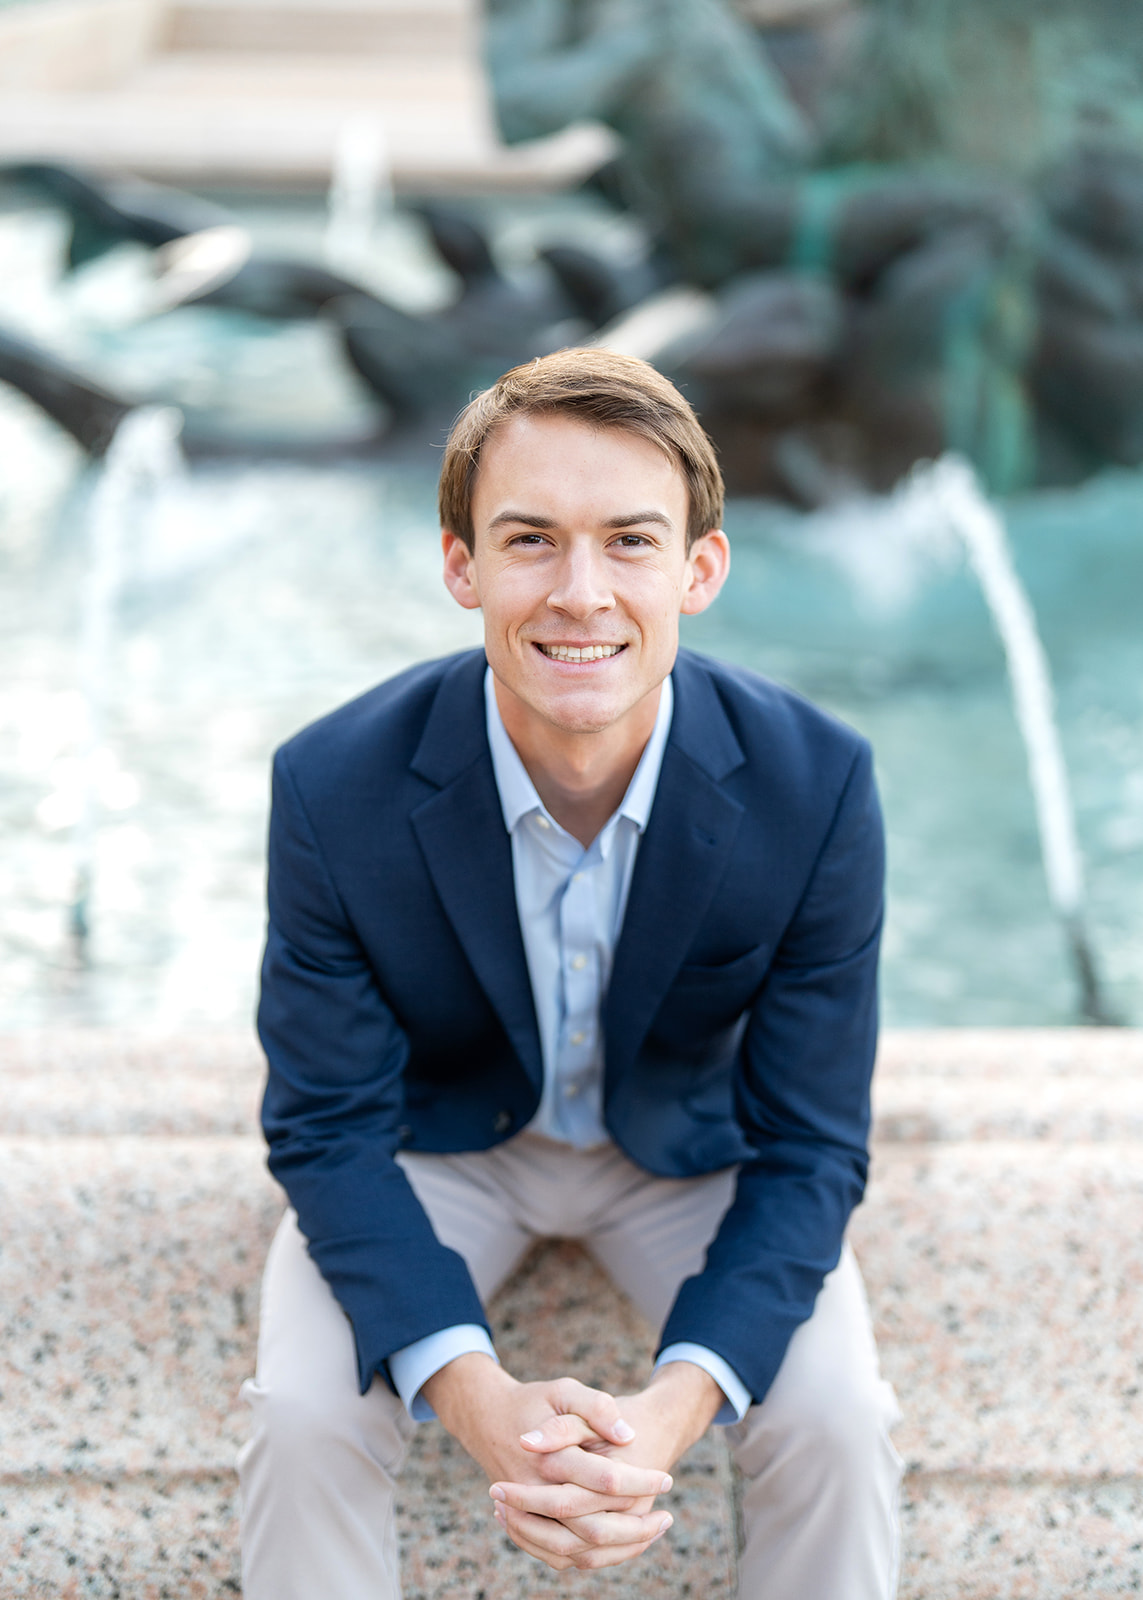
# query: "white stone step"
263 92
400 28
1005 1272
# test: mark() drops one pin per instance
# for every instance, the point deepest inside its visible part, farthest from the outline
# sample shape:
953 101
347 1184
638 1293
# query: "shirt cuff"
738 1396
412 1367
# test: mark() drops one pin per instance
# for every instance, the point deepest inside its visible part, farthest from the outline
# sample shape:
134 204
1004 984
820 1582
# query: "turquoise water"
269 595
970 936
258 596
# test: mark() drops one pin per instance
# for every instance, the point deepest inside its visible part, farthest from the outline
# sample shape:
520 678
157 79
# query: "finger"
589 1561
559 1433
602 1529
560 1547
561 1500
540 1536
557 1563
599 1410
620 1480
598 1531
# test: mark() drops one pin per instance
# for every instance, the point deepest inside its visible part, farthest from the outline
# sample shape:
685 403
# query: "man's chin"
581 712
588 719
575 707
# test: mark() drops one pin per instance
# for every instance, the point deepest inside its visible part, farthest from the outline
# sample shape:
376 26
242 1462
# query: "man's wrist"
411 1367
462 1390
686 1400
737 1396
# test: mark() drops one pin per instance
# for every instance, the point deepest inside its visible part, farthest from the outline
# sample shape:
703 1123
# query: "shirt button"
577 877
578 963
578 1038
571 1090
542 822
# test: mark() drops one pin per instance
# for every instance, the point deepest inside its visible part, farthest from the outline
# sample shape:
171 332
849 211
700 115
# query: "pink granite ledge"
930 1085
155 1516
1018 1083
77 1082
1003 1259
1007 1287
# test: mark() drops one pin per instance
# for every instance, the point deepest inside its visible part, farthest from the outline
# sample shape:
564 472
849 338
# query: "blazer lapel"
682 857
468 853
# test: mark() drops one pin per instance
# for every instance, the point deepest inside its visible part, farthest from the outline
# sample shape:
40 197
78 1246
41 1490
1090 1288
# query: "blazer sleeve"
802 1100
332 1109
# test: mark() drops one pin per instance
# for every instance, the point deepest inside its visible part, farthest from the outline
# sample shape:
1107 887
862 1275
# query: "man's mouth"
580 652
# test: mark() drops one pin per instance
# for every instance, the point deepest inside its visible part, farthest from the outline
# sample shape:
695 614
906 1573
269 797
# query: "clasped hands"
573 1472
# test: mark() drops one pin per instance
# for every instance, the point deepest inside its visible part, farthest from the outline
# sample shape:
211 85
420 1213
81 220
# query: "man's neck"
580 777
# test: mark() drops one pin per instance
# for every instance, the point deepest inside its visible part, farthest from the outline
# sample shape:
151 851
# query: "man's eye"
527 538
632 541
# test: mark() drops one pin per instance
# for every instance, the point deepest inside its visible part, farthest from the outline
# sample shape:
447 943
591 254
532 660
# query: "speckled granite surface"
983 1539
95 1081
1000 1241
1007 1283
1071 1084
165 1537
128 1295
1066 1083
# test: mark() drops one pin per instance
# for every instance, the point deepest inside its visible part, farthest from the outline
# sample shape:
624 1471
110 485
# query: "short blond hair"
602 389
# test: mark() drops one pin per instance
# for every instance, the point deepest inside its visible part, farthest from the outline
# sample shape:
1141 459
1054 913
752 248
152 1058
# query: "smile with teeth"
586 652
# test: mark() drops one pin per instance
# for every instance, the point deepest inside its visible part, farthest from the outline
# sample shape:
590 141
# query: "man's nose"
581 587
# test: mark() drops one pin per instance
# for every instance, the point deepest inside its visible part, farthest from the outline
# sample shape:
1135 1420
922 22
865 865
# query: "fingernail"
664 1525
498 1513
624 1430
535 1437
497 1492
668 1483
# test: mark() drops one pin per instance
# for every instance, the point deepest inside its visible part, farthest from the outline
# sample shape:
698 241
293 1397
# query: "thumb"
583 1416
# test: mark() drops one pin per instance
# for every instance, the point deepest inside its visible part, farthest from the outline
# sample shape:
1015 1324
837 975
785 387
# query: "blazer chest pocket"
745 971
704 1003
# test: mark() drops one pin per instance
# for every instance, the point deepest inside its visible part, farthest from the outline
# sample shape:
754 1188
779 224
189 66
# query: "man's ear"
708 564
459 577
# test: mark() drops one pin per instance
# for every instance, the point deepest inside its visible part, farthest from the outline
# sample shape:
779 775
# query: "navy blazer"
739 1023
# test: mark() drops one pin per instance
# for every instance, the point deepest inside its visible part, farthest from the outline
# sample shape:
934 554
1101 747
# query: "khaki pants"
821 1476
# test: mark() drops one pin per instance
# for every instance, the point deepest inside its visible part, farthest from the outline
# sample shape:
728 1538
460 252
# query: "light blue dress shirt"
571 903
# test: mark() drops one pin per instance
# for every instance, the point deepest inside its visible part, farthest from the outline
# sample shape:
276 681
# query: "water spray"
952 489
360 191
143 455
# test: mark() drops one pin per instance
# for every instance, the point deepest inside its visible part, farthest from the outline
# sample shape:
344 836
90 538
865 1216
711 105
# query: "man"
578 942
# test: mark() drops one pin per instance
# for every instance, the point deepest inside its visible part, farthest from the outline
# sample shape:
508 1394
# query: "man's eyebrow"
634 518
532 519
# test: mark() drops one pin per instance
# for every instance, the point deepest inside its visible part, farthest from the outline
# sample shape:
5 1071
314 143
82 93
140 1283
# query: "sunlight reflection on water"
259 596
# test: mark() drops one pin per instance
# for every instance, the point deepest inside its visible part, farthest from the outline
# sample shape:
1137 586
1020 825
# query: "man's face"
581 569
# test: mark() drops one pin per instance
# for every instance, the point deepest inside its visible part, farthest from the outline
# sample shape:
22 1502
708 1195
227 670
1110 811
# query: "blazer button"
404 1133
503 1122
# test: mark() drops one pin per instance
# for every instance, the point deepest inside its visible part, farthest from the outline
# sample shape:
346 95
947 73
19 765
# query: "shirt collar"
518 795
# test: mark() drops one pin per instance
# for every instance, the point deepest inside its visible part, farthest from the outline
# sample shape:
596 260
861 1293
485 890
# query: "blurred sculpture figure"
714 145
914 237
894 276
706 122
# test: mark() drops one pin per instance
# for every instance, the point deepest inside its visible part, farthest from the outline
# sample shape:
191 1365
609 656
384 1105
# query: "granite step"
1000 1243
129 1313
931 1086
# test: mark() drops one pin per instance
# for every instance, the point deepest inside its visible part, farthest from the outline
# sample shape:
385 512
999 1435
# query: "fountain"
295 568
944 499
360 191
143 456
